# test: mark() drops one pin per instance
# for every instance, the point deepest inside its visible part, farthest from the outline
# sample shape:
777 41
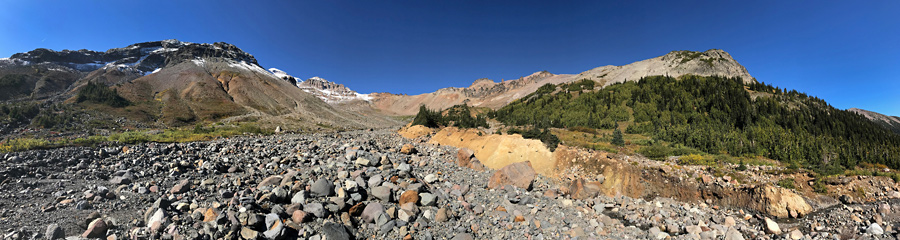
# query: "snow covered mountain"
328 91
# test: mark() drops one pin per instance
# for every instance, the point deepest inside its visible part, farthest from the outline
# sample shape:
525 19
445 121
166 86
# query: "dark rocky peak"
145 57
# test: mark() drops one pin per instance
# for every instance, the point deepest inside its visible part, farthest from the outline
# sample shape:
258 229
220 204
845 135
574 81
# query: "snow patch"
154 71
199 62
364 96
14 61
251 67
164 50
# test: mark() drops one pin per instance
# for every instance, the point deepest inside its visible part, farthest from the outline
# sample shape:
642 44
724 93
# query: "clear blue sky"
846 52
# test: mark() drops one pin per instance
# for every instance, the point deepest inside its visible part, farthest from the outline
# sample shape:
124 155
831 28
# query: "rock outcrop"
780 202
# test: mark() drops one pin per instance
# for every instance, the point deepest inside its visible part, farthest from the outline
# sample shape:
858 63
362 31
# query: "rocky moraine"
352 185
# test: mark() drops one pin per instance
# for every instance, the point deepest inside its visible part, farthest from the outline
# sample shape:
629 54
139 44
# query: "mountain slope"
487 93
715 115
889 122
173 83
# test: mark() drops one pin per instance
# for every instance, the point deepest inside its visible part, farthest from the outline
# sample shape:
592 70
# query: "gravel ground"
351 185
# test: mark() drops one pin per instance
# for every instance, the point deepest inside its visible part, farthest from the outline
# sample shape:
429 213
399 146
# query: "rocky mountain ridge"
174 83
144 57
491 94
328 91
889 122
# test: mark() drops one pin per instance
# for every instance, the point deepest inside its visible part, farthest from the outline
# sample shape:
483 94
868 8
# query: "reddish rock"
357 209
210 215
410 196
97 229
182 187
551 193
476 164
464 156
500 209
408 149
706 179
518 174
579 189
299 216
519 218
272 180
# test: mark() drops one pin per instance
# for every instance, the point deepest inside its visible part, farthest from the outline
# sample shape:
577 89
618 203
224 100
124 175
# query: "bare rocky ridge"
487 93
174 83
889 122
330 92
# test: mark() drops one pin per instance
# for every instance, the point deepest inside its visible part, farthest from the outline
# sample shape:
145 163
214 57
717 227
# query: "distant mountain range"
175 83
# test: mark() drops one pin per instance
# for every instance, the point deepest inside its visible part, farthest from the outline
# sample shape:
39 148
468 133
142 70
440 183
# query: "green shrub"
584 130
786 183
741 167
458 116
655 152
549 140
99 93
617 138
695 159
820 187
583 84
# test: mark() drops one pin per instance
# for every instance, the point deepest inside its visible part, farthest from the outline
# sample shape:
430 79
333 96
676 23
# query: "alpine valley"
179 140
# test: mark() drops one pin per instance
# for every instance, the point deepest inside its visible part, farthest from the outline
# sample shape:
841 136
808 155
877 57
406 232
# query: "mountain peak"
331 92
144 57
675 63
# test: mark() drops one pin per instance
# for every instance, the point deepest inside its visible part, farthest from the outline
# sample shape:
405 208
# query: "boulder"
427 199
796 234
772 227
464 156
408 149
54 232
335 231
579 189
97 229
299 216
780 202
518 174
270 181
371 212
322 188
875 229
410 196
733 234
476 165
182 187
381 192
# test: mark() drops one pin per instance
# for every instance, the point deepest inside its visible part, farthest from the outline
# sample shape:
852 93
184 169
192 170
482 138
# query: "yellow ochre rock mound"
496 151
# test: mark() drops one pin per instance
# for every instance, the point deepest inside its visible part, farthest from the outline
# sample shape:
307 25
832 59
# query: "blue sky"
846 52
